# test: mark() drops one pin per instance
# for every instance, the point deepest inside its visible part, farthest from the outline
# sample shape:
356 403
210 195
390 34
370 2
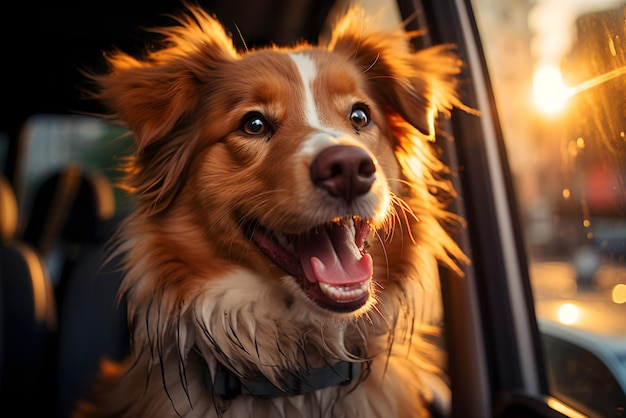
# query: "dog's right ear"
157 94
150 95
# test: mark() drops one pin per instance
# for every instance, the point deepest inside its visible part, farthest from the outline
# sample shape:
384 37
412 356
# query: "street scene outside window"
559 74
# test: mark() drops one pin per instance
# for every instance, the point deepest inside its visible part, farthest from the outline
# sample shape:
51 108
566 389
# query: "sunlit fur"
199 291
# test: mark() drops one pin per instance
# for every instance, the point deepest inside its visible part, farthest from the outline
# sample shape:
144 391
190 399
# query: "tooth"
281 239
340 293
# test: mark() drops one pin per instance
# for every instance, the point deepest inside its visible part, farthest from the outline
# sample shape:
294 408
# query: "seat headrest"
69 205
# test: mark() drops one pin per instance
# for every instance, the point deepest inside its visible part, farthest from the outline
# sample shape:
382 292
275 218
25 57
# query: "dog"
290 217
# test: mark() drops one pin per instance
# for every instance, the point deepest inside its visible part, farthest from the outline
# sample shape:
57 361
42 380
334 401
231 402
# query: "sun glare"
549 92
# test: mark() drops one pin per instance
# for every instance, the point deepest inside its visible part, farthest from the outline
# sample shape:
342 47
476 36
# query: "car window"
559 75
52 142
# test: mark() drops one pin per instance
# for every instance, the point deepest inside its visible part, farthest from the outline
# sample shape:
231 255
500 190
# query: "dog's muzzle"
329 261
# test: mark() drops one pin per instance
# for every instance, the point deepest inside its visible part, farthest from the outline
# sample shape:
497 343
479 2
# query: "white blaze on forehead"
308 71
324 136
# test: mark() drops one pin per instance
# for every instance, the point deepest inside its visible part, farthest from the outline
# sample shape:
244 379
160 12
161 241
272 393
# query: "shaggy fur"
230 201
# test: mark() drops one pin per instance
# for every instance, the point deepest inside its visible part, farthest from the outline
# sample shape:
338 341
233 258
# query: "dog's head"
308 166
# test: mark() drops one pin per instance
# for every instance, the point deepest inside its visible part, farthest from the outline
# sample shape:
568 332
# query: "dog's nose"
343 171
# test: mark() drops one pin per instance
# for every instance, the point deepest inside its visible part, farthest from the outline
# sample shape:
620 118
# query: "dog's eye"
255 124
360 116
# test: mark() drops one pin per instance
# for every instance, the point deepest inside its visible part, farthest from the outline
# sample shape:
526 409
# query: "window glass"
559 75
51 142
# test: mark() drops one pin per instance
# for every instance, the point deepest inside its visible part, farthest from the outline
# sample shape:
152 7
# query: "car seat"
72 220
28 316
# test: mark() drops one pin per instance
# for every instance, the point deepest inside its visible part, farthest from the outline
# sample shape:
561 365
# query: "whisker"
385 255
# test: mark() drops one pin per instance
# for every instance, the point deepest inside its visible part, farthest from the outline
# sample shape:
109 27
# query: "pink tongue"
331 255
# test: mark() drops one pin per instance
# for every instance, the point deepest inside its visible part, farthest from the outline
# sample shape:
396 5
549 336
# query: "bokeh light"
568 313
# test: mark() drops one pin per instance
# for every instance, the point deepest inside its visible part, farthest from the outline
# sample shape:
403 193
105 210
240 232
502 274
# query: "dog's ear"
414 84
150 95
156 94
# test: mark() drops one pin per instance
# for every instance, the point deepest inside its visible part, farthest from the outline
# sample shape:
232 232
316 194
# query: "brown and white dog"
283 255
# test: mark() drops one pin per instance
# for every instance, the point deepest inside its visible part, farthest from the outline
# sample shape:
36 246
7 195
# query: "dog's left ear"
417 85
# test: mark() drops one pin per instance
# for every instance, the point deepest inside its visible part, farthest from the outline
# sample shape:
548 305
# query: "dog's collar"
229 385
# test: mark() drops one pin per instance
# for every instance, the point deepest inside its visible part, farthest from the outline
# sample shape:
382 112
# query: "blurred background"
558 68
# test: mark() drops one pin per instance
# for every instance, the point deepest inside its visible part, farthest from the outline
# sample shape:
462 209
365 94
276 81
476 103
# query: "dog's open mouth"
329 262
